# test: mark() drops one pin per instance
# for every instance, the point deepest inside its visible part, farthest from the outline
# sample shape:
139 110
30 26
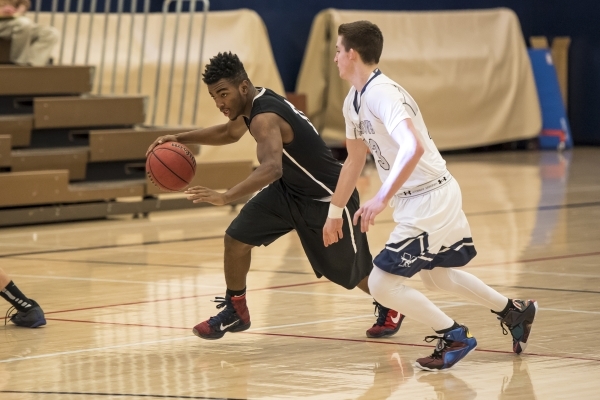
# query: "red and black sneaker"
234 318
388 322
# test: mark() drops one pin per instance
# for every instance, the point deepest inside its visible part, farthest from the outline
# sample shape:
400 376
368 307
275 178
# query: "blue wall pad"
556 132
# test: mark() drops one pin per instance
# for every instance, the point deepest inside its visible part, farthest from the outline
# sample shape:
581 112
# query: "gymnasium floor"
122 295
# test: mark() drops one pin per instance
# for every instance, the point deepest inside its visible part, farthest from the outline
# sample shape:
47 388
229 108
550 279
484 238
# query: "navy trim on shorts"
411 255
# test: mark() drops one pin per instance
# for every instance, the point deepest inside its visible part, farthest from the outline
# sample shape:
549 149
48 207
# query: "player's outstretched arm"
267 132
353 166
216 135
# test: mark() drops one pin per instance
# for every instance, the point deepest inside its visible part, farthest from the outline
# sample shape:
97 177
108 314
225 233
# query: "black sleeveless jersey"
309 169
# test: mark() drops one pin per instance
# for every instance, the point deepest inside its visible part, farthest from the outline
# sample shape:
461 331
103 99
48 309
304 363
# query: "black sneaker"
518 320
234 318
31 318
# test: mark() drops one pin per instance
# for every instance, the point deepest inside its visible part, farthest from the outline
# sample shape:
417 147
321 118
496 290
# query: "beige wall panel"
468 70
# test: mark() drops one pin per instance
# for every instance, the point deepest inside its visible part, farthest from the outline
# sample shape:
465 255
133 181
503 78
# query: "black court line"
516 210
156 396
155 265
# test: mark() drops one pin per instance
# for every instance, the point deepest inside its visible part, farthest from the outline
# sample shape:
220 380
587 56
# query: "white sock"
389 290
463 284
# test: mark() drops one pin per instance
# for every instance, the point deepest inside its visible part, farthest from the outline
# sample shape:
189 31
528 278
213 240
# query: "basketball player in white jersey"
432 235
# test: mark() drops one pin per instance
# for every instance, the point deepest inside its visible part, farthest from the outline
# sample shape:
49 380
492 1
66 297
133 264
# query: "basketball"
171 166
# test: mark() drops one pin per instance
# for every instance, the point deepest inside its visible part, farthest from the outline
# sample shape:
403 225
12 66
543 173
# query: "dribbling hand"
161 140
200 194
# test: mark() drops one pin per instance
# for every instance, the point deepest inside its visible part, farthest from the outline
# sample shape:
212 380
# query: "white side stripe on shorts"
328 191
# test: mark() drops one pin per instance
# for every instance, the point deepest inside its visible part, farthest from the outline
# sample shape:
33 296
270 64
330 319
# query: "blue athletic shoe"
452 347
32 318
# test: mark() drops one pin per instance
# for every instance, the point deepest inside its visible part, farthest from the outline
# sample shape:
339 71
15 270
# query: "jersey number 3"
377 152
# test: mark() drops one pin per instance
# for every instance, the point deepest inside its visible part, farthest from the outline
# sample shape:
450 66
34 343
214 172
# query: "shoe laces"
440 346
7 316
381 313
224 315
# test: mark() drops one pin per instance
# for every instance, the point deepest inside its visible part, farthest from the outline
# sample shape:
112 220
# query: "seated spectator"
31 44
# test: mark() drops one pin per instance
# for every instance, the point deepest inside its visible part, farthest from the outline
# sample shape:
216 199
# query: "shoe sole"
523 345
219 335
416 364
383 335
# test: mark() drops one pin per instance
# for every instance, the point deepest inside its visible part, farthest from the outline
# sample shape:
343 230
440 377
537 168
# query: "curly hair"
224 66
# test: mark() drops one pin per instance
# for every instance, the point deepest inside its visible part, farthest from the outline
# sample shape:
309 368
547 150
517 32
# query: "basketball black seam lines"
185 158
173 172
153 178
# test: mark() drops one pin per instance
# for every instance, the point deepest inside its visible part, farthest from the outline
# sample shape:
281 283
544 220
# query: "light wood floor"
122 295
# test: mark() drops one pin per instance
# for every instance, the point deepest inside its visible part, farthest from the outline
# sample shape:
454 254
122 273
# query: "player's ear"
244 88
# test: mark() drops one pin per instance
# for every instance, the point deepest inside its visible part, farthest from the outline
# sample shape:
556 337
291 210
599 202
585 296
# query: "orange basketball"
171 166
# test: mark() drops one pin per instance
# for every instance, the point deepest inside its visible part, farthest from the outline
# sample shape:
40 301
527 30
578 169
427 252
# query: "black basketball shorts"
273 212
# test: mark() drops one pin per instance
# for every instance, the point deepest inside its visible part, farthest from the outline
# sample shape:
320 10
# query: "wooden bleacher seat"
18 127
67 112
49 80
52 187
5 150
73 159
125 144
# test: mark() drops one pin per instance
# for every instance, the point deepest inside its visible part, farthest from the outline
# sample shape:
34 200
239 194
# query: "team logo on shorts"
407 260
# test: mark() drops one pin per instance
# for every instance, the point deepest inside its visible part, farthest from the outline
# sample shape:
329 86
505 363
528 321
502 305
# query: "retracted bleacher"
68 155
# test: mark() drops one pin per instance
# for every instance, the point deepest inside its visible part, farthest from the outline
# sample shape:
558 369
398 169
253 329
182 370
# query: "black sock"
13 295
443 331
503 313
236 293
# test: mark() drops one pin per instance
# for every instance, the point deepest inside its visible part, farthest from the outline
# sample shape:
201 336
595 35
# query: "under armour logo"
407 192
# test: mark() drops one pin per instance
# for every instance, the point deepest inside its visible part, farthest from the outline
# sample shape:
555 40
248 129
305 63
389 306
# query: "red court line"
180 298
332 339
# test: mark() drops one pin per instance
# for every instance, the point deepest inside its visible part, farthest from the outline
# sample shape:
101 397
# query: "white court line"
63 353
69 278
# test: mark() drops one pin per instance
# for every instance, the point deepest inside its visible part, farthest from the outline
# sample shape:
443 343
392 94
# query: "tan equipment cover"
469 71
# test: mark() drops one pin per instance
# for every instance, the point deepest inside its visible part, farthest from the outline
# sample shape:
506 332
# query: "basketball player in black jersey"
295 179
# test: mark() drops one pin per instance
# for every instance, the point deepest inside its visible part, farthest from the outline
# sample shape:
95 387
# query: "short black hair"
365 38
224 66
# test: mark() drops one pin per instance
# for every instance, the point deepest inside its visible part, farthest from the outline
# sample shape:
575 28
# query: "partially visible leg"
21 36
235 316
454 340
44 38
29 313
465 285
517 315
237 263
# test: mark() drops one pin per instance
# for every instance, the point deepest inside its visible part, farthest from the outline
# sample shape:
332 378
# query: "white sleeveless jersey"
382 105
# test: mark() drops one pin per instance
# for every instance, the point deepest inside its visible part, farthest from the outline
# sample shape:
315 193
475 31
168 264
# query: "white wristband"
335 212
